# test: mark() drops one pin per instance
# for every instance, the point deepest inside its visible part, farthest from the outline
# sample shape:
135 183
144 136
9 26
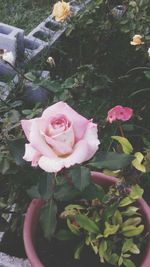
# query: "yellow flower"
61 11
51 61
137 40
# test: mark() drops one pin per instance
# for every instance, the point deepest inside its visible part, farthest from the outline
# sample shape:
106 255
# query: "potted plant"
59 139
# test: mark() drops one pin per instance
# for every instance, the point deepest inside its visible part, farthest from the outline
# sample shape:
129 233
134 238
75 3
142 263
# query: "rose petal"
59 147
128 112
55 165
84 149
37 139
26 126
61 10
82 152
91 136
50 165
79 123
66 137
31 154
61 143
119 113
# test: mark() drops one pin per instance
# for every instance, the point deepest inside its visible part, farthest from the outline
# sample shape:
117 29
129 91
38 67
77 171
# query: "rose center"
58 124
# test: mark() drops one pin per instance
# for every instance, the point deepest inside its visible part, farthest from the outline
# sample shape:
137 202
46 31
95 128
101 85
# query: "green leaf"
102 250
110 229
134 249
94 247
127 244
109 211
130 231
17 149
30 76
26 111
125 144
137 162
13 116
33 192
128 263
120 261
132 210
93 191
130 246
125 202
89 21
87 224
136 192
113 259
74 206
132 221
68 83
78 251
80 177
117 218
65 192
52 86
73 228
111 160
126 255
46 186
48 219
64 235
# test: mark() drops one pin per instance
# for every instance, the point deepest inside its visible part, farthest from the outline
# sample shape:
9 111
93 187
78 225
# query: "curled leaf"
137 162
125 144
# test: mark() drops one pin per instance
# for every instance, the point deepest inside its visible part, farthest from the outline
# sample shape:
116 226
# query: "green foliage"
111 160
43 189
125 144
86 223
17 12
73 228
16 148
46 186
136 193
80 177
93 191
78 251
48 219
65 192
130 231
111 230
137 162
102 250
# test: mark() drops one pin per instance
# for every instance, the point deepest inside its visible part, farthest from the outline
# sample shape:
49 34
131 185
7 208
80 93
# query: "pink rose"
119 113
59 138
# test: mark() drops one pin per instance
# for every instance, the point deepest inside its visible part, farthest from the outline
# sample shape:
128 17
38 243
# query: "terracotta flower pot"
33 212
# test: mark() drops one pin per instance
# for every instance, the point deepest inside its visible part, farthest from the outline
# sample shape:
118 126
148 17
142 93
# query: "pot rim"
33 212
